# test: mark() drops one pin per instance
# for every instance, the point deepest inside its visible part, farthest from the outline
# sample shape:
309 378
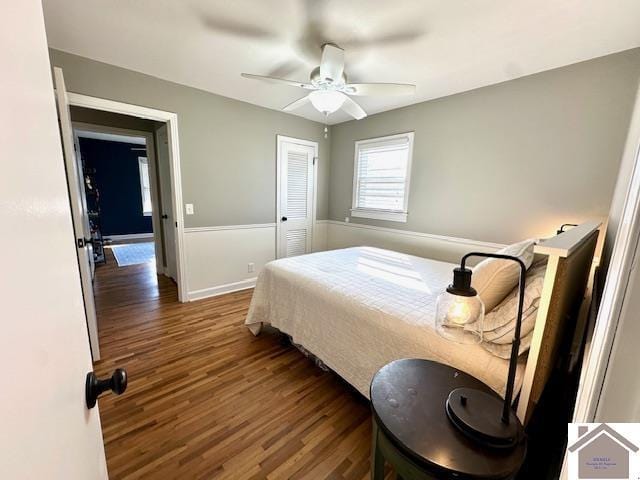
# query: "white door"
47 431
168 222
296 188
83 197
75 182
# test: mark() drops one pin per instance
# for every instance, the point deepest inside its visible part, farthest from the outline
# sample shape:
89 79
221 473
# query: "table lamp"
481 416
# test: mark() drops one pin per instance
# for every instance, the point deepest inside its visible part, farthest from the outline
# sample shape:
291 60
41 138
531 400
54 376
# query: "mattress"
357 309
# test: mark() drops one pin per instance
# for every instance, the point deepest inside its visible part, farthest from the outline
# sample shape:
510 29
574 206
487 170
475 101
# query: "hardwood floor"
206 399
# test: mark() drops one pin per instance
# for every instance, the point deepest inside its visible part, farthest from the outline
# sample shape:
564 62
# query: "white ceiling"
443 46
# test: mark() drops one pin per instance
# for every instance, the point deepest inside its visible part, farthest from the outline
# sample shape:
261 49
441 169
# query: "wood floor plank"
206 399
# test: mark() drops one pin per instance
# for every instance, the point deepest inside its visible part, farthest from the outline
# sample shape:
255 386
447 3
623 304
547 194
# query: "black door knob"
284 219
94 387
165 216
83 242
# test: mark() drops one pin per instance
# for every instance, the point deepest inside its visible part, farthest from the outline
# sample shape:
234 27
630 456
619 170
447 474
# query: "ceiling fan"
330 90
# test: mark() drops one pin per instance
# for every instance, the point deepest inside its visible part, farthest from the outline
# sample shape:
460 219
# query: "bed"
356 309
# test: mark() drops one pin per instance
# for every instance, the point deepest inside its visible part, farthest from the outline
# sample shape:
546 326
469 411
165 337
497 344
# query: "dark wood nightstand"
412 432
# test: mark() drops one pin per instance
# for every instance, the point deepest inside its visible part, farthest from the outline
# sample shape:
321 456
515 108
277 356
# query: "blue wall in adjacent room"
117 177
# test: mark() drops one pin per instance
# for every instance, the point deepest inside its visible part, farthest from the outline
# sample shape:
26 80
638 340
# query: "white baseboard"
131 236
221 289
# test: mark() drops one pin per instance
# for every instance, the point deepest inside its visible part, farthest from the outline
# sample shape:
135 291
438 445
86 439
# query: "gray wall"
227 147
508 161
109 119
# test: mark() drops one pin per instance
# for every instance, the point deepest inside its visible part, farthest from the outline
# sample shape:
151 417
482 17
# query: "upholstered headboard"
570 257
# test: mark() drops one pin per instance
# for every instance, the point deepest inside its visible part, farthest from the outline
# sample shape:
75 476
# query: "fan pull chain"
326 129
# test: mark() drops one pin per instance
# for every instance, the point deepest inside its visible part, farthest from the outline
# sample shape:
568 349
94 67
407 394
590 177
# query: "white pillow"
494 278
499 325
504 350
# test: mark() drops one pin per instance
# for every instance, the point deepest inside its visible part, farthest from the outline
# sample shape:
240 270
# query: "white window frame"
145 160
376 214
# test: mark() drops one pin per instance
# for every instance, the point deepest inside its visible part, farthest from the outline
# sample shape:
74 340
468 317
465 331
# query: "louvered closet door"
296 198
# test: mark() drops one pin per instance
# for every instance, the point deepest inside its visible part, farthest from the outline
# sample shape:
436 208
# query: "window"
145 187
381 177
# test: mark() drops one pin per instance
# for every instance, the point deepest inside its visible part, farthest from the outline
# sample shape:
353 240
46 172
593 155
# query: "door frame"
153 176
308 143
171 119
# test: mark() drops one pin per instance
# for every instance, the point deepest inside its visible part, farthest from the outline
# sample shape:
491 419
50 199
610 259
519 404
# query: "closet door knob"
94 387
284 219
165 216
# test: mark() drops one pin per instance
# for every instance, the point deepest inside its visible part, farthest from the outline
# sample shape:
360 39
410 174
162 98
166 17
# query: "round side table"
412 432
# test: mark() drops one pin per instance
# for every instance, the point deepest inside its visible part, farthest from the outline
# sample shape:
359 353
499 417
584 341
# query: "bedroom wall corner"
219 258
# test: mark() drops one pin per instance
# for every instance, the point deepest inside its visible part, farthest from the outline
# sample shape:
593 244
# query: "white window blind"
381 183
145 187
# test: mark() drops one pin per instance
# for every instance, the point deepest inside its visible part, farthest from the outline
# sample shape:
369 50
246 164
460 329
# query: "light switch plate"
189 208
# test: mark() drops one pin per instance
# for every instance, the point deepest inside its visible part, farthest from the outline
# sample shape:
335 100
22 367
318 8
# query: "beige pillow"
494 278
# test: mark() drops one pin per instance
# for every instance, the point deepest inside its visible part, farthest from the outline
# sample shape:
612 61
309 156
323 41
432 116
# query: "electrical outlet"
189 208
251 267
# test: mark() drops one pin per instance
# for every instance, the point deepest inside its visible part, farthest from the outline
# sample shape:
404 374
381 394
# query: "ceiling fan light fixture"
326 101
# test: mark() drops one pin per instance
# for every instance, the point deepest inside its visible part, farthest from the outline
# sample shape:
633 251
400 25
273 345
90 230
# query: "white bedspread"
358 309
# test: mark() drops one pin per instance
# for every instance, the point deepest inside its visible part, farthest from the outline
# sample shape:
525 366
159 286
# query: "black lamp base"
478 415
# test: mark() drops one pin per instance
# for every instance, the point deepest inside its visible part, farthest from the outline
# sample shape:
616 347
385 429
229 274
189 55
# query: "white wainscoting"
320 236
438 247
218 257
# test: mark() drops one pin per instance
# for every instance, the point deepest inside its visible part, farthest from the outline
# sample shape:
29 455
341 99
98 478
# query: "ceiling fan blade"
284 69
374 89
406 36
332 63
236 28
297 104
353 109
280 81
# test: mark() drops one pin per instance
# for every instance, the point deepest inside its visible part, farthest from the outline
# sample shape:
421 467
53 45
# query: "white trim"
316 160
109 137
228 227
222 289
171 119
397 231
130 236
379 214
393 216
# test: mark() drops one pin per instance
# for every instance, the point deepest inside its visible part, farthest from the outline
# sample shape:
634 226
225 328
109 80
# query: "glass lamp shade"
459 318
326 101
